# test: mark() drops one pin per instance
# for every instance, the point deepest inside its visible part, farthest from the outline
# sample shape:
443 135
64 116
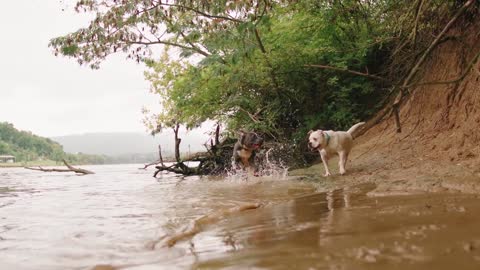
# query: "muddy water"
111 219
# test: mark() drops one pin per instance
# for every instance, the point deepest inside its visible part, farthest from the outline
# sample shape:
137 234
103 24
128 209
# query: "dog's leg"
324 156
346 160
342 160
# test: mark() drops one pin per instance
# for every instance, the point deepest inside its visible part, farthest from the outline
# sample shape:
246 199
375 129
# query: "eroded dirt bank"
439 147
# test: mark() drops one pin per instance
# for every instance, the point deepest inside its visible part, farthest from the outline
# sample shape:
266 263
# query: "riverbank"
42 163
397 179
31 163
399 165
439 144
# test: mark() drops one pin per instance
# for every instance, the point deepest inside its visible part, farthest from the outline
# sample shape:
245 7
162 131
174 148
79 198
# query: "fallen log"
179 168
70 168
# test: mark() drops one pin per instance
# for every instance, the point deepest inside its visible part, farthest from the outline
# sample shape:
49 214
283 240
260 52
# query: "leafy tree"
281 67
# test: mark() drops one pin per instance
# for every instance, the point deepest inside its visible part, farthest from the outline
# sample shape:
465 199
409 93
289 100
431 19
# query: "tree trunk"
217 134
177 142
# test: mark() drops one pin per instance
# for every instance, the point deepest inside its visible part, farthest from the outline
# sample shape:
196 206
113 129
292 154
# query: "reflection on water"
60 221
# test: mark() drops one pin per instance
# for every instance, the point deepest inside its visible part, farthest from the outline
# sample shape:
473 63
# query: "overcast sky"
53 96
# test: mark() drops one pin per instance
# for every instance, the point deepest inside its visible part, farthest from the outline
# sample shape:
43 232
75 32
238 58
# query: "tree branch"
430 48
264 52
159 161
349 71
462 76
252 116
203 13
195 49
417 17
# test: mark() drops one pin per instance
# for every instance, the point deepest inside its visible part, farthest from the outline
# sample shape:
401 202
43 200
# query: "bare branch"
349 71
254 117
462 76
203 13
430 48
159 161
195 49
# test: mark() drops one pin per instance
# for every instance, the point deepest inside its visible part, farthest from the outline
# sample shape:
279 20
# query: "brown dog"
244 151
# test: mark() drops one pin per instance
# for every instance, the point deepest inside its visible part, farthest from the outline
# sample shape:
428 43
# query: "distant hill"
95 148
26 146
118 144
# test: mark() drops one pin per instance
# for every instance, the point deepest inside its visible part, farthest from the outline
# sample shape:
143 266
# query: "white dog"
329 142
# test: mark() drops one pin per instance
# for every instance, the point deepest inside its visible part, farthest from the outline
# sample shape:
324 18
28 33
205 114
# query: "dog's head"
250 140
315 139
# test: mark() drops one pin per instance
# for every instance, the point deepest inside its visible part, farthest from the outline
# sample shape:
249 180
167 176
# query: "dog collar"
327 137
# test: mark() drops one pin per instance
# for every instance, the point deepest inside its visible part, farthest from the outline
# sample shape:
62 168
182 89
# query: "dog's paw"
342 172
327 174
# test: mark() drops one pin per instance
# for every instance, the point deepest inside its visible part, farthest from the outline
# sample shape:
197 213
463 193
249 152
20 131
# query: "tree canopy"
281 67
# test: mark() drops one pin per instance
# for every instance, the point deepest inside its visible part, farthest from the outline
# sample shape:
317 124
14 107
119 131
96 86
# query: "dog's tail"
354 127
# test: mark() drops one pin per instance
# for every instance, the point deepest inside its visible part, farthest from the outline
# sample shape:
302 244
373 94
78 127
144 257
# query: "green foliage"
272 90
70 50
26 146
249 63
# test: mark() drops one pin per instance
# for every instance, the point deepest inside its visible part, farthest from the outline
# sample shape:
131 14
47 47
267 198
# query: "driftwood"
199 224
70 169
159 161
209 163
213 161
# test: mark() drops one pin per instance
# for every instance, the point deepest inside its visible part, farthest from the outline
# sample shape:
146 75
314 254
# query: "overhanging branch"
348 71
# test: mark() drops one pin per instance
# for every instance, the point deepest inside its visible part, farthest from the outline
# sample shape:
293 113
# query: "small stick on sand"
199 224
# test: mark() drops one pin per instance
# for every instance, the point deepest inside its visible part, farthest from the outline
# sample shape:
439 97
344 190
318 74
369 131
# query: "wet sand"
350 230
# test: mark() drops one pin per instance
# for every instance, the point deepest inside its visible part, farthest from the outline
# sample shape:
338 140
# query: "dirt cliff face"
440 136
444 118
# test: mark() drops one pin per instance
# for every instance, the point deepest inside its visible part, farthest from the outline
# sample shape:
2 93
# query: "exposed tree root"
405 86
214 161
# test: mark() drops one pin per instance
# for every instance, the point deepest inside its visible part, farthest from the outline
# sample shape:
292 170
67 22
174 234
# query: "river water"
121 218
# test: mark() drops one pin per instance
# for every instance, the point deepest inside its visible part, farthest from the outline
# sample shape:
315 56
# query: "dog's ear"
241 135
310 132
